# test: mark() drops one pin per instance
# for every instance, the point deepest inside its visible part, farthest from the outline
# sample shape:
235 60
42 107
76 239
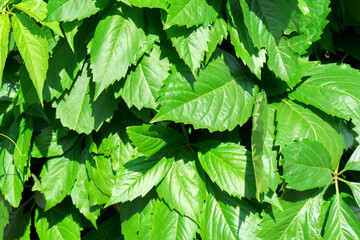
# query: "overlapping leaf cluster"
169 119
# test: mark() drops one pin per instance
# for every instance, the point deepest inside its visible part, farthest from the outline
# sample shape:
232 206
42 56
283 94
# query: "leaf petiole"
21 154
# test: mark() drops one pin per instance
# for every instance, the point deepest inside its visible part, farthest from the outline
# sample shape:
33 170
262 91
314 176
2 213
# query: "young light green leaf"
182 188
162 4
60 222
119 40
137 177
4 41
149 139
296 122
171 225
239 36
262 143
108 230
69 10
58 176
30 39
335 89
307 165
191 13
229 165
220 99
300 217
341 222
142 85
78 111
354 162
225 217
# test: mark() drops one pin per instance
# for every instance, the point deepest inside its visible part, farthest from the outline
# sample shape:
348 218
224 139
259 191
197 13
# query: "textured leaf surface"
78 111
192 12
162 4
118 42
137 177
307 165
229 165
262 143
58 176
342 222
182 188
30 39
142 85
4 41
171 225
218 31
300 217
221 98
149 139
68 10
335 89
296 122
354 162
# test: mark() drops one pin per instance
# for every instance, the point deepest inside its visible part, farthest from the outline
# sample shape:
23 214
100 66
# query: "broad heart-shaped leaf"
119 40
229 165
149 139
262 143
239 36
335 89
78 111
137 177
4 214
171 225
30 39
107 230
4 41
225 217
299 219
162 4
341 222
137 216
296 122
68 10
60 222
142 84
220 99
192 12
266 28
307 165
14 159
58 176
182 188
354 162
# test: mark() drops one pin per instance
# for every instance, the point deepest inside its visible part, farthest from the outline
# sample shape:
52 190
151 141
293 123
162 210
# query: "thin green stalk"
21 154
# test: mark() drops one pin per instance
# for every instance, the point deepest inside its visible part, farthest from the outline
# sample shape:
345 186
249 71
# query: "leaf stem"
21 154
183 129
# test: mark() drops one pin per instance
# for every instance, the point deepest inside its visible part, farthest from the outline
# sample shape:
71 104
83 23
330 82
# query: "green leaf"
52 142
14 159
60 222
19 224
182 188
300 217
4 41
30 38
218 31
149 139
78 111
342 222
192 12
119 38
335 89
220 99
162 4
142 85
68 10
296 122
355 189
170 225
239 36
225 217
266 28
58 176
4 214
137 177
108 230
70 30
354 162
229 165
136 217
307 165
262 144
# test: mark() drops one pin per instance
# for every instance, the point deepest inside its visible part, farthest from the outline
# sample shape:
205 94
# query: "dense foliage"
174 119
